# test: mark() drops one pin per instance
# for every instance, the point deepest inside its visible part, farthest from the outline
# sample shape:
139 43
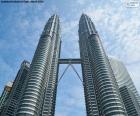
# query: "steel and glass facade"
122 76
127 89
130 101
40 92
102 95
5 95
11 104
101 90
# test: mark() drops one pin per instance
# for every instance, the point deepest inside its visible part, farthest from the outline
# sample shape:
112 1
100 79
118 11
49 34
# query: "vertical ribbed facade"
39 95
128 90
123 78
5 95
101 90
130 101
11 104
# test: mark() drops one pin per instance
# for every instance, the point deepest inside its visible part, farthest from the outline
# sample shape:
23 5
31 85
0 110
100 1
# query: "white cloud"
81 2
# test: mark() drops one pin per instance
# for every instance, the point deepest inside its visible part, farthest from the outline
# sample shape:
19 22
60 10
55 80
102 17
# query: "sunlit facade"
5 95
11 103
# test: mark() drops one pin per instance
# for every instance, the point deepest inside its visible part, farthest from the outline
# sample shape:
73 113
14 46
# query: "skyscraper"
14 97
40 92
102 95
101 90
128 90
122 76
130 101
5 94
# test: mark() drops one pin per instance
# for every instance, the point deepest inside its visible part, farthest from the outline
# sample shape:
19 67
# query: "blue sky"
22 24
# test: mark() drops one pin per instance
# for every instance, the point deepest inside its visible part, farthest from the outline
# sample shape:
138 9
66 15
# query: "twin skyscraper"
36 93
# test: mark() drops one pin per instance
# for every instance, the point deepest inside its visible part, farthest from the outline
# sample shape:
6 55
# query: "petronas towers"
102 95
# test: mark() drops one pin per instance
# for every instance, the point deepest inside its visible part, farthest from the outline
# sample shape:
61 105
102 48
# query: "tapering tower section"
40 92
11 103
101 90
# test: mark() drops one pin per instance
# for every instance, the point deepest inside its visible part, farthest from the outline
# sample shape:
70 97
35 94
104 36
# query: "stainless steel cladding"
101 90
40 92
